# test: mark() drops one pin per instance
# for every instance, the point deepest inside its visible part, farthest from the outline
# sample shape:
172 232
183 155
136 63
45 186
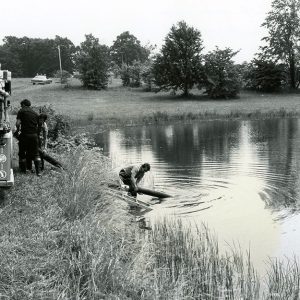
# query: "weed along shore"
64 236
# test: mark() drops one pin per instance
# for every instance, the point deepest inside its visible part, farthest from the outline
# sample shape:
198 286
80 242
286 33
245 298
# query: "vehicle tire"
3 196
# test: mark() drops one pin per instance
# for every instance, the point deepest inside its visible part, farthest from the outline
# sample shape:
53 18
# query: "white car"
41 79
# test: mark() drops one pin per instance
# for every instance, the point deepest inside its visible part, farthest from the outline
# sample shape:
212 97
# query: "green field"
118 103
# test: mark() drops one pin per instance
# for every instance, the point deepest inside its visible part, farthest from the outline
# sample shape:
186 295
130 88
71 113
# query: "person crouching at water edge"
132 175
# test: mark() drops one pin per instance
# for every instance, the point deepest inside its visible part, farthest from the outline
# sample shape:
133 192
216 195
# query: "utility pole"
61 74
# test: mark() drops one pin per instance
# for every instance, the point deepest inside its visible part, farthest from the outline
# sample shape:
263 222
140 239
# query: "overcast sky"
224 23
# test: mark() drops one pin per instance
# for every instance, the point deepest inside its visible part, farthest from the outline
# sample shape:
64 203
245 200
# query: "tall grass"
64 237
96 245
283 280
188 265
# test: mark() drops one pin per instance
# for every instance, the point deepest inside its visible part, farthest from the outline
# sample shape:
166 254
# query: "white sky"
224 23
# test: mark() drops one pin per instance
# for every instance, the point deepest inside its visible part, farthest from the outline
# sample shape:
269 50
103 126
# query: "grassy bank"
127 106
64 237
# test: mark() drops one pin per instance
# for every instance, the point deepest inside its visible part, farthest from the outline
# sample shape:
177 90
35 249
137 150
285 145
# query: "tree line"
27 56
179 65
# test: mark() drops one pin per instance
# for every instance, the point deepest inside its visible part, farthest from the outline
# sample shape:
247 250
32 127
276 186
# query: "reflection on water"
238 177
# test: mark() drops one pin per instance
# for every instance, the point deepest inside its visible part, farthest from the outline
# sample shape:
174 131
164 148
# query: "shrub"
147 75
131 74
64 76
57 124
265 76
222 77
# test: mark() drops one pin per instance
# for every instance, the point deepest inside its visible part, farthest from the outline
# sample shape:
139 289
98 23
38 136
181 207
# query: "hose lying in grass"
50 159
44 155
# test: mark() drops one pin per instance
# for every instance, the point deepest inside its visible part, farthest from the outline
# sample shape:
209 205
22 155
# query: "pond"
240 178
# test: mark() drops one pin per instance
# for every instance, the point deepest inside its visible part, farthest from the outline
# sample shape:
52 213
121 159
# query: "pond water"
240 178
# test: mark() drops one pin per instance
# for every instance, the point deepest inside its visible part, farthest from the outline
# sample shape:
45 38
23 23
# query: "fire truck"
6 137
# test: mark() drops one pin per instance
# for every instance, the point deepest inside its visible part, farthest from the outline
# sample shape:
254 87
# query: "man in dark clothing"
27 124
132 175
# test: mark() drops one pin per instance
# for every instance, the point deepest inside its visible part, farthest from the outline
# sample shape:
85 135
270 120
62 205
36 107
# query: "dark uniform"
28 140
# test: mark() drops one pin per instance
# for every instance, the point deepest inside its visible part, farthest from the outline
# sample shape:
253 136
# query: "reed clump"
188 265
283 279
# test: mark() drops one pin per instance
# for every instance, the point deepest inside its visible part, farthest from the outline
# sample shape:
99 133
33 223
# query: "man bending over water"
132 175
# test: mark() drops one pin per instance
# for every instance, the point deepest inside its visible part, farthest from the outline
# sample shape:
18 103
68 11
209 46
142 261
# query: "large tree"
126 49
93 63
282 41
179 65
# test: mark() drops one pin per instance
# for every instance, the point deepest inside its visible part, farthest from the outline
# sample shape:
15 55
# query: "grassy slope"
57 235
122 103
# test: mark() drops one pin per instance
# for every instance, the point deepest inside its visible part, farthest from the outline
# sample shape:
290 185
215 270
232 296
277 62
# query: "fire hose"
44 155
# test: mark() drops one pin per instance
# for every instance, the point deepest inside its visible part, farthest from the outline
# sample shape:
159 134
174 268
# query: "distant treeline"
25 57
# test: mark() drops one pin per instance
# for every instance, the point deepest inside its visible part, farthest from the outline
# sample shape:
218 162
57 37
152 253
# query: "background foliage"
26 57
265 76
93 63
179 65
127 49
282 41
222 76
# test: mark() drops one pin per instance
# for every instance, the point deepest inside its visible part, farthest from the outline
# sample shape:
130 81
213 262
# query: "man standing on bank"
132 175
27 124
